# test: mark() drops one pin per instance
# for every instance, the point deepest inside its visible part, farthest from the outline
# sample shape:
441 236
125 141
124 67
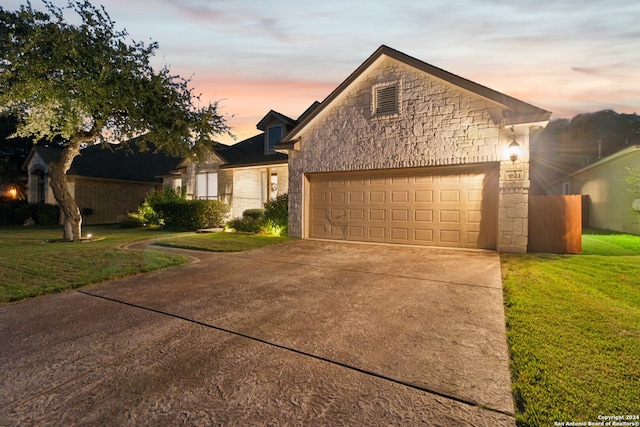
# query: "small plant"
276 216
147 214
251 222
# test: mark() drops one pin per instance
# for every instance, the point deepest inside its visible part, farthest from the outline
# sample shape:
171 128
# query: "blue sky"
566 56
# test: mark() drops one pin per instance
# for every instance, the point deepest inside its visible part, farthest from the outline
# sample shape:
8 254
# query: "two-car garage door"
442 206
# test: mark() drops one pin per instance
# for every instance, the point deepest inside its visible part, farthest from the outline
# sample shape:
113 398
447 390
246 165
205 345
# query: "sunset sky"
566 56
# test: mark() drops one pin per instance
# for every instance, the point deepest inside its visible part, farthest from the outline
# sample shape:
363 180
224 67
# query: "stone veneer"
439 124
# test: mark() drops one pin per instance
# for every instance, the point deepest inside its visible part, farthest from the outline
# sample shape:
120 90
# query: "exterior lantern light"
514 150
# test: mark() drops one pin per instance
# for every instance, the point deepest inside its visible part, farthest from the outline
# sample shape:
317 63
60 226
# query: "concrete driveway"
309 332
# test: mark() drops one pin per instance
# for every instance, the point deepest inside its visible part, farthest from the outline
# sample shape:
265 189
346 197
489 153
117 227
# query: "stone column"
513 197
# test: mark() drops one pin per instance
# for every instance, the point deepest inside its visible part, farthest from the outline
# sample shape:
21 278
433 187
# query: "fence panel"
555 224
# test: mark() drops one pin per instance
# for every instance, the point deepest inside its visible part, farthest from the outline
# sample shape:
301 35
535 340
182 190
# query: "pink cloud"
245 101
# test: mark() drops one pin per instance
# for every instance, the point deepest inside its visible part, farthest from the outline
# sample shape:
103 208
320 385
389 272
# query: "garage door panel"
423 215
318 197
423 196
449 216
447 206
398 215
423 236
318 213
474 217
450 196
356 196
400 234
377 233
377 197
377 215
356 214
450 237
356 233
399 196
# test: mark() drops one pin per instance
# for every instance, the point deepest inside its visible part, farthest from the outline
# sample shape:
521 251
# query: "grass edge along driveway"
30 267
573 328
573 322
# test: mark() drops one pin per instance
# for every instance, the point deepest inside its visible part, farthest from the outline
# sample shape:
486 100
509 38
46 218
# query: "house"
404 152
105 182
244 175
612 206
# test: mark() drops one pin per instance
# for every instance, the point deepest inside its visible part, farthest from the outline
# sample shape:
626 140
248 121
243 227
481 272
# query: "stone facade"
437 124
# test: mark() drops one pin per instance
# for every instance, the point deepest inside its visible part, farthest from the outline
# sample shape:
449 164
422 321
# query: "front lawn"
31 267
222 242
573 326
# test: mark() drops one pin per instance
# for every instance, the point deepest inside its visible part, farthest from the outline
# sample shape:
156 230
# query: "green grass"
31 267
222 242
573 326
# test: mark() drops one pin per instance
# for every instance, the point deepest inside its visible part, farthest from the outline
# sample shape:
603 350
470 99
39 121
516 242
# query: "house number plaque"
515 175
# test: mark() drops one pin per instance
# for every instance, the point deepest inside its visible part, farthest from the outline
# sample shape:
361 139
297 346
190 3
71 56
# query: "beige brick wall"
438 125
247 187
109 199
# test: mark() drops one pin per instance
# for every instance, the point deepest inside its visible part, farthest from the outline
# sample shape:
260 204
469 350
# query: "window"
176 184
41 186
274 135
566 188
386 99
207 186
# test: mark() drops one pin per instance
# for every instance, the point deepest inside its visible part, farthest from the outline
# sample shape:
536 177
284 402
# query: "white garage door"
441 206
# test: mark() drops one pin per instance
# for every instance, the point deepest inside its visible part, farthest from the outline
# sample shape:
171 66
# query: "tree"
85 84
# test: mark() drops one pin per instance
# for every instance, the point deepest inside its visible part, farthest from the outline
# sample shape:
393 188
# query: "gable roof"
114 162
249 152
262 124
515 111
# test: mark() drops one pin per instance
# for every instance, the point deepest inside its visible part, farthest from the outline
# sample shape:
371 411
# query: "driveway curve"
307 332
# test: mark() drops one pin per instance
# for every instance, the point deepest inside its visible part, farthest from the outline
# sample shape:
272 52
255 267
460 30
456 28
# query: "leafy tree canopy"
566 146
87 83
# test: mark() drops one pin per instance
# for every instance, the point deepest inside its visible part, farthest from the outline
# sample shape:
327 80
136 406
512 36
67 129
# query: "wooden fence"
555 224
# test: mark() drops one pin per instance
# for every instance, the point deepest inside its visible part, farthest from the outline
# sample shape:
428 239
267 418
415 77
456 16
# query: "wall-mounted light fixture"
514 148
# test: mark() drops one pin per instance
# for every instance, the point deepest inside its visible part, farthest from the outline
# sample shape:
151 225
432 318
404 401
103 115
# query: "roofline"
465 84
254 164
604 160
99 178
280 116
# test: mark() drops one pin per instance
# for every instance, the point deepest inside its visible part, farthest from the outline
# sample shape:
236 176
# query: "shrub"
46 214
191 215
255 214
215 213
131 221
147 214
251 221
17 212
276 215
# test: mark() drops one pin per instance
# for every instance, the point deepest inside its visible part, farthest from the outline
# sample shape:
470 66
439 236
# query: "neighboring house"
404 152
105 182
611 202
244 175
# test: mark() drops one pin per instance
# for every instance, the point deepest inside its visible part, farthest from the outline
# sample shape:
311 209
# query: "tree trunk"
58 173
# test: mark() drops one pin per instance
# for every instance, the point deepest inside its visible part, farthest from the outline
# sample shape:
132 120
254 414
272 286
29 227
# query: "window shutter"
386 100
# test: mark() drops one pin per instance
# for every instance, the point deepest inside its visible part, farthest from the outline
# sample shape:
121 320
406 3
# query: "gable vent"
386 100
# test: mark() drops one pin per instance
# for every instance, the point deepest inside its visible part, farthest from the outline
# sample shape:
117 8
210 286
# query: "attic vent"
386 100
